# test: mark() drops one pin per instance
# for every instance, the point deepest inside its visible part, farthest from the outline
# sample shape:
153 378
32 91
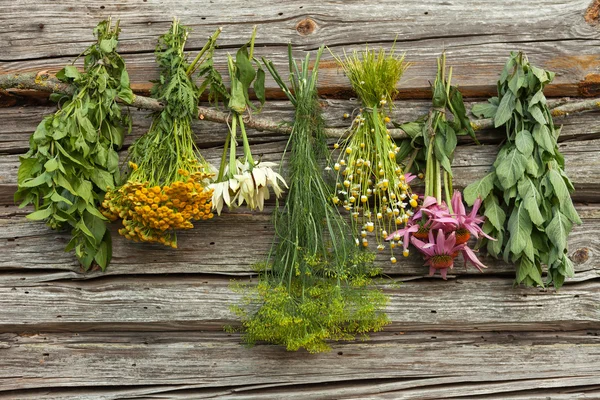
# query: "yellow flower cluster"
153 213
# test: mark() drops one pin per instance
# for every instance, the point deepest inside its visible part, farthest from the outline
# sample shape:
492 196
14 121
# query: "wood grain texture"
555 36
151 327
198 365
214 247
470 163
196 302
21 122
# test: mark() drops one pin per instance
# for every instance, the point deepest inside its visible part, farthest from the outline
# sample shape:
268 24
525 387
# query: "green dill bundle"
527 195
315 284
73 159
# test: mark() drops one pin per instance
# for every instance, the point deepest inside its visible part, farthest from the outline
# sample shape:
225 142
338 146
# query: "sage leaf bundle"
527 194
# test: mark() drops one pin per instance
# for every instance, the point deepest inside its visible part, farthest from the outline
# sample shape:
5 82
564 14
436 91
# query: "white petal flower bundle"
244 180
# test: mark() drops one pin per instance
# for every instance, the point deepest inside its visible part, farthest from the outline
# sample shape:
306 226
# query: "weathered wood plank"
202 303
20 123
213 247
199 365
470 163
555 36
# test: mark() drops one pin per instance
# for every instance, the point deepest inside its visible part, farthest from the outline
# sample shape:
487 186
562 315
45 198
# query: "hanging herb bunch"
316 285
243 179
441 228
168 186
370 184
527 194
72 159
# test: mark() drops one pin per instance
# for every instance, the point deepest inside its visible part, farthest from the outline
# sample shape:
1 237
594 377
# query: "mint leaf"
40 214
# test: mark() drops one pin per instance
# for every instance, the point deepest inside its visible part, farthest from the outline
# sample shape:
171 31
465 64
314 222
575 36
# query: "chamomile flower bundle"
370 184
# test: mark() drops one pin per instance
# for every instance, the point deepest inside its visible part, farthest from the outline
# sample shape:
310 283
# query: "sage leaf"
524 142
511 169
484 110
494 213
505 109
519 227
558 229
559 186
480 188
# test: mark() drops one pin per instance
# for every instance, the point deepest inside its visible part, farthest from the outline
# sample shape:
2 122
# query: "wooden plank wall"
151 326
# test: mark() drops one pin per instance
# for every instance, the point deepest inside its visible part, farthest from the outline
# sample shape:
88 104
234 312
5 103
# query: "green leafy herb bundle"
168 186
527 195
242 180
72 159
371 185
316 285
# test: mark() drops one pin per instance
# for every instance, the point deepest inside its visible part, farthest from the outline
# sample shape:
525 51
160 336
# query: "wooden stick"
45 83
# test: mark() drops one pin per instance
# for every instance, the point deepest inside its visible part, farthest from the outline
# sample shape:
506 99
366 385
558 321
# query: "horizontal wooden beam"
20 122
196 302
207 365
214 247
556 37
470 163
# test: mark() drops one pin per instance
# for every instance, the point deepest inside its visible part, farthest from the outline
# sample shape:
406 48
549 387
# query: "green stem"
447 192
247 151
204 49
252 43
232 147
430 177
438 186
223 158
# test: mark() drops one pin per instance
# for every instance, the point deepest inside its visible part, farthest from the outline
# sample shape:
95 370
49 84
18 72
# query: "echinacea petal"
450 244
469 255
443 273
440 243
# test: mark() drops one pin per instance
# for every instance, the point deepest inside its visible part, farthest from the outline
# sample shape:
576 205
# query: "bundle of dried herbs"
73 160
371 185
527 194
315 286
242 179
441 228
167 187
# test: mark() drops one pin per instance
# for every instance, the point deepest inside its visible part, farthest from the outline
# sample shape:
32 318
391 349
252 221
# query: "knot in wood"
581 255
592 13
306 27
